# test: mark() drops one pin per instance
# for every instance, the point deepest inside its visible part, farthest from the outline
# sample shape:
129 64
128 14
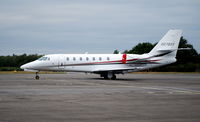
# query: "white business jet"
108 65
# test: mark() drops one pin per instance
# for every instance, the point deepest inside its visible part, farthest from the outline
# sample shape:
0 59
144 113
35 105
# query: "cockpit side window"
40 59
44 59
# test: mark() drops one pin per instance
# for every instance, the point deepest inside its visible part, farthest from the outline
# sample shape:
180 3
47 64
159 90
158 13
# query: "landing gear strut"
37 77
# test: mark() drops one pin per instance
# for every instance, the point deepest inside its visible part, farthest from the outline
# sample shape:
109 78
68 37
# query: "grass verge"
25 72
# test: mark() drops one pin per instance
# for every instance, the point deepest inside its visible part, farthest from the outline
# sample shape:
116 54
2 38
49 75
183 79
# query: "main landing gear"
37 77
108 75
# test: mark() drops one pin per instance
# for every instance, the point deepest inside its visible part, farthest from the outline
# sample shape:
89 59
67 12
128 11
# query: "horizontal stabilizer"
184 48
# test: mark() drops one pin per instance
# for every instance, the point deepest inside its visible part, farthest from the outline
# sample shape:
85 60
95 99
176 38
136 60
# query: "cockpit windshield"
43 59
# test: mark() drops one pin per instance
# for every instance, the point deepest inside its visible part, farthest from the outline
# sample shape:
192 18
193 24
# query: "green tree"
186 56
116 52
187 60
140 48
15 61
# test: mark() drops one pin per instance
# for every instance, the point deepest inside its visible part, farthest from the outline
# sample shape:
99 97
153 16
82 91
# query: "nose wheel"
37 77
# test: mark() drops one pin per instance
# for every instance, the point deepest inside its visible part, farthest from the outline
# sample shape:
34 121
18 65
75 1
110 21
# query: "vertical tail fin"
168 44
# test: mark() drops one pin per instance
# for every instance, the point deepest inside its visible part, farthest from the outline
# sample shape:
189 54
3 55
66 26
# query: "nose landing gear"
37 77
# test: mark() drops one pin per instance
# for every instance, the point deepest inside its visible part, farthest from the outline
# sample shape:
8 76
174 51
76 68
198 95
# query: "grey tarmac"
78 97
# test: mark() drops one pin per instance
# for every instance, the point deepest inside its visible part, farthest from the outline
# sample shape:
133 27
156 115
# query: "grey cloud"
91 25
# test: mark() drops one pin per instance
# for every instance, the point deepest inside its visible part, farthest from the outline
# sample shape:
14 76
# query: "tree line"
11 63
187 60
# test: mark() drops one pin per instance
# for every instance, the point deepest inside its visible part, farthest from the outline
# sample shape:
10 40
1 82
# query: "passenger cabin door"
61 62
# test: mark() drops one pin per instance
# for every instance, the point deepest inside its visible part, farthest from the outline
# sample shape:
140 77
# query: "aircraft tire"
105 77
37 77
109 76
114 77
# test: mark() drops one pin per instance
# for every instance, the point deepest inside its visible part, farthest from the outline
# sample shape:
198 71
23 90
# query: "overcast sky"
93 26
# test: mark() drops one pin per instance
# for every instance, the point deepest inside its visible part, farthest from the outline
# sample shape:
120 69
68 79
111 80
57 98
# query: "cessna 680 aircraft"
108 65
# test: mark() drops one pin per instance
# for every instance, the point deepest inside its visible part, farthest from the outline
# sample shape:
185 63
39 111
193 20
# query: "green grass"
166 72
25 72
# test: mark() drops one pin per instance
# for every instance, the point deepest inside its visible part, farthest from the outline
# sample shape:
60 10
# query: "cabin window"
100 58
74 58
93 58
108 58
87 58
48 59
81 59
67 58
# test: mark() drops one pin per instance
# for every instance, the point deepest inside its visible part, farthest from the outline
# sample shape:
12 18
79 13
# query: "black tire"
114 77
105 77
37 77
